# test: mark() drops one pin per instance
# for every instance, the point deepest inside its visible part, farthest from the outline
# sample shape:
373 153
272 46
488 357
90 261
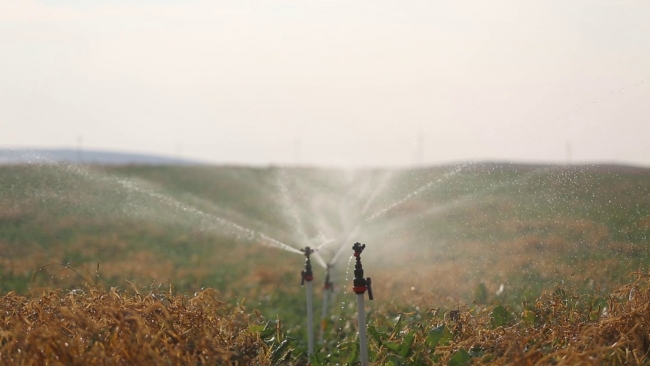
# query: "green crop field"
527 251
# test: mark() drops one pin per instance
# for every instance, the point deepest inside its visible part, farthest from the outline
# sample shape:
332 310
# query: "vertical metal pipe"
308 276
323 316
310 318
363 338
361 285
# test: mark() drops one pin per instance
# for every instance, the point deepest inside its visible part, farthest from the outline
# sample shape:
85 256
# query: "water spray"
361 284
308 276
328 288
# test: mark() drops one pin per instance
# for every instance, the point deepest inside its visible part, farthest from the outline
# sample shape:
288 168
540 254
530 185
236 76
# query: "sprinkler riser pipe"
361 285
323 316
310 318
363 338
327 289
307 276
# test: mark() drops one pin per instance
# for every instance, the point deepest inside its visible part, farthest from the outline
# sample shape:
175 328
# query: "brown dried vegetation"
98 327
102 327
559 328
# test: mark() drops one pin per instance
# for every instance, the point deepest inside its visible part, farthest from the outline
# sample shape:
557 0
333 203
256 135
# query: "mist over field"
444 231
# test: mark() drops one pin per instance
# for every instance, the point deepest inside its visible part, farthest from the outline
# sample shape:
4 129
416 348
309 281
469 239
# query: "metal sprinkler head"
361 284
307 251
307 274
358 248
328 285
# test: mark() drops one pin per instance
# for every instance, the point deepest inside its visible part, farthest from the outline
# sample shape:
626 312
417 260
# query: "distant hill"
21 156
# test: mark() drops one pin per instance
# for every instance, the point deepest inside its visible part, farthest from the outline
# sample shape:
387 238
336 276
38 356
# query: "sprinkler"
361 284
328 288
308 276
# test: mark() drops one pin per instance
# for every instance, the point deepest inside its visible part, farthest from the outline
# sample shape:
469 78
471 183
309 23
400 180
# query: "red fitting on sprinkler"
359 290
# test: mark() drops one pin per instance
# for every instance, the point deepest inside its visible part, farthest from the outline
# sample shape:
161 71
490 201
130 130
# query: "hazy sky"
330 82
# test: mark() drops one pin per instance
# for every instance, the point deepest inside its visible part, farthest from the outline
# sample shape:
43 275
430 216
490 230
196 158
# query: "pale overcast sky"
347 83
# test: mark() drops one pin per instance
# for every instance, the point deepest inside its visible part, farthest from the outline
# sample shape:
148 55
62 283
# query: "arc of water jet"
465 200
129 186
345 209
318 257
354 198
323 223
353 201
420 190
342 248
469 198
320 260
380 188
357 188
291 206
252 234
276 244
219 210
319 201
298 221
212 209
610 95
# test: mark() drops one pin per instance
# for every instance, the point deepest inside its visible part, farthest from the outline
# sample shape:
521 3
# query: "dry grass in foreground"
111 327
558 328
98 327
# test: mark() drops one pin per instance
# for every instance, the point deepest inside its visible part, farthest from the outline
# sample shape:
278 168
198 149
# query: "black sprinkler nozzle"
358 248
307 251
307 274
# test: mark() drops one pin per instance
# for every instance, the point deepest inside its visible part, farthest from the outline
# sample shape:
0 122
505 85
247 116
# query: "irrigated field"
131 252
